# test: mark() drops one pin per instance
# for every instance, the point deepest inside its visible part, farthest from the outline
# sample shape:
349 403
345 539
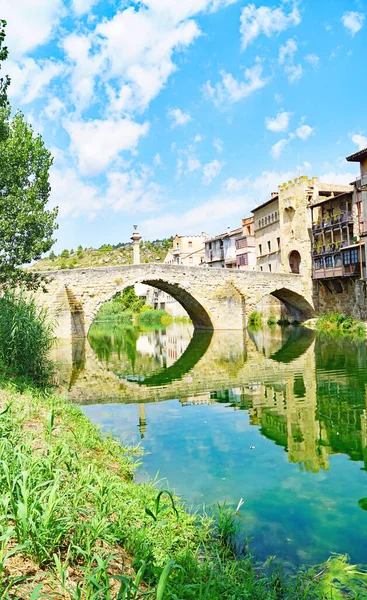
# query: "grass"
75 525
26 336
337 323
154 317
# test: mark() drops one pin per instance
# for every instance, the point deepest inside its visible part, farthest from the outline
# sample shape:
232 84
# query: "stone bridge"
213 298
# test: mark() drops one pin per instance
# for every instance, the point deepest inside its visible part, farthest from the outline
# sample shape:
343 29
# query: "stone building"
283 225
188 250
360 197
245 246
233 249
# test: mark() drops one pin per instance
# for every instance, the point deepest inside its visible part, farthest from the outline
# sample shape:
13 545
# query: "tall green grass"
26 336
69 504
155 317
341 324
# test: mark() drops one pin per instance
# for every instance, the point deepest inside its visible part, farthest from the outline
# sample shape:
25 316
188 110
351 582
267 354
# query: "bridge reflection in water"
275 377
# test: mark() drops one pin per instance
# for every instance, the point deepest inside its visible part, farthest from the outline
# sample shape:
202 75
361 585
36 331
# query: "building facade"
233 249
283 225
188 250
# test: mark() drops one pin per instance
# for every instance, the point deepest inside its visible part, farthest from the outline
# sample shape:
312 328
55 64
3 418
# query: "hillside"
121 254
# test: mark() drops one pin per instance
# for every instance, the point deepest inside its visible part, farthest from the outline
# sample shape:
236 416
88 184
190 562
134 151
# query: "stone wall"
347 296
213 298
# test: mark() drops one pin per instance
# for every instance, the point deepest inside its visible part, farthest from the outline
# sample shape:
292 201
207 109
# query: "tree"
4 81
65 253
26 226
52 255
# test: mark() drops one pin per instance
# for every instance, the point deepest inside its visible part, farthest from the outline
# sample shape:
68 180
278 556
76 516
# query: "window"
319 263
270 268
338 260
354 256
260 250
191 260
269 247
242 260
261 268
328 262
190 244
177 244
278 243
272 217
266 220
241 243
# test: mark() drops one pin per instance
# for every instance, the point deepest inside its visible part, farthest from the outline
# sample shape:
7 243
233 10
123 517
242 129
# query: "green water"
276 417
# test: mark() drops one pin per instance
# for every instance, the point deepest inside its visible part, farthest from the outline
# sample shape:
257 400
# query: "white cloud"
209 215
73 197
359 140
97 143
80 7
233 185
211 170
337 178
54 108
230 90
178 117
287 52
279 123
198 138
193 164
294 72
267 21
353 21
286 58
277 149
132 192
30 78
218 145
86 67
313 59
304 132
158 160
29 23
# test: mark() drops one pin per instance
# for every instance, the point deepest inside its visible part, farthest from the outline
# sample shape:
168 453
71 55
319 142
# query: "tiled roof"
357 156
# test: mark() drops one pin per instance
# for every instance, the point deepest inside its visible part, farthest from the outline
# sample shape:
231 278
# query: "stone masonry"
213 298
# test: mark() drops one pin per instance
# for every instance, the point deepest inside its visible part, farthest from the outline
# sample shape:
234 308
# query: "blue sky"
181 115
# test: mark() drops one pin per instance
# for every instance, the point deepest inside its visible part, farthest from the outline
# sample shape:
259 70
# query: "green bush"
26 337
255 319
341 324
272 320
153 317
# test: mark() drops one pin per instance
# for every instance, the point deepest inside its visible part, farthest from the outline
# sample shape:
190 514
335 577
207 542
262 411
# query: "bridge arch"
196 311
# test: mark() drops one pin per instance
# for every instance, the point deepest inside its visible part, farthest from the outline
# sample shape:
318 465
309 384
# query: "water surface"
276 417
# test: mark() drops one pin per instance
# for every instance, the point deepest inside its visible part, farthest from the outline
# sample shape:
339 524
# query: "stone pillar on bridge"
136 237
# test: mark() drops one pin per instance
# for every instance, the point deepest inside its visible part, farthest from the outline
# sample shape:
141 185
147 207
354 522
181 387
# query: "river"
277 417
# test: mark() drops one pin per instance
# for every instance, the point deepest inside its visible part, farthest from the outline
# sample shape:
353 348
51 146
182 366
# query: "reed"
26 336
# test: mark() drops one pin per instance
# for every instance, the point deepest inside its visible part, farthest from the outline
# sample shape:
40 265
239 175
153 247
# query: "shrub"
65 253
255 319
26 336
272 320
342 324
154 317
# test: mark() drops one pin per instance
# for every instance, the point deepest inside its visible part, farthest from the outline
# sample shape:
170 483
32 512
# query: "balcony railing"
334 221
329 248
341 271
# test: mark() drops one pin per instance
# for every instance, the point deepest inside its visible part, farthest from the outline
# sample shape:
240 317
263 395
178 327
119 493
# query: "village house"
233 249
187 250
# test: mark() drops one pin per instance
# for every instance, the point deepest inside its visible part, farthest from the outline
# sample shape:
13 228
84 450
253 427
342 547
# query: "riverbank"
76 525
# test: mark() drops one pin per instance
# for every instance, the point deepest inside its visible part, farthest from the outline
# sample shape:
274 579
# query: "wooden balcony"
337 221
342 271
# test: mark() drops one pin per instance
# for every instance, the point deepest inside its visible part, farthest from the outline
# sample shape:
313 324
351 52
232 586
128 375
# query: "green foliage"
79 252
106 248
25 337
123 306
4 82
272 320
154 317
65 253
52 255
255 319
341 324
26 226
